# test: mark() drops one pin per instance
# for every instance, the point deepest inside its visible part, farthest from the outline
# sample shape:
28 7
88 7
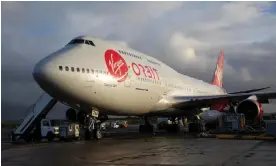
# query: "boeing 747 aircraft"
101 78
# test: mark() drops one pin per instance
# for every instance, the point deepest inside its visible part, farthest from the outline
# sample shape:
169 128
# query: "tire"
98 134
50 136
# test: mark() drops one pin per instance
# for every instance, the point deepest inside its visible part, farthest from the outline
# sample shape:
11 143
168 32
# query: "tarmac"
128 147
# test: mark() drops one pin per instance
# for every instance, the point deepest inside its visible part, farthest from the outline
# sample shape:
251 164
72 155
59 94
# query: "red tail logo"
218 74
217 80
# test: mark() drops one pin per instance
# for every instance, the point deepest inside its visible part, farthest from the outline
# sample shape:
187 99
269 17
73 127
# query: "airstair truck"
37 112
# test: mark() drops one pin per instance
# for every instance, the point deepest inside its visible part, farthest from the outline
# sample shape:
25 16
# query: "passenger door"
89 82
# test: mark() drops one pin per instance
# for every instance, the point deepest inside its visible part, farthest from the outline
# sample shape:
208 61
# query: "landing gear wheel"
98 134
146 128
50 136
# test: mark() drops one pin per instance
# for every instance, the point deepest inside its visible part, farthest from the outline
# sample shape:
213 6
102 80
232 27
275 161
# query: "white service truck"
48 128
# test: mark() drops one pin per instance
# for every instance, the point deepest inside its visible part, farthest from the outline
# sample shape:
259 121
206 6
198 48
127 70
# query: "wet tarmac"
136 149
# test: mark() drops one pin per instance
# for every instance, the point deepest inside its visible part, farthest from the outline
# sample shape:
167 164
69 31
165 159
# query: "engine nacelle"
71 114
251 109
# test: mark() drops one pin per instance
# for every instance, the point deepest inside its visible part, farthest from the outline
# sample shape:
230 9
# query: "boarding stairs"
36 113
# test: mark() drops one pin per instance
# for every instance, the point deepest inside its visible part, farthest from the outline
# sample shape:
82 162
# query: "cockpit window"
77 41
91 43
81 41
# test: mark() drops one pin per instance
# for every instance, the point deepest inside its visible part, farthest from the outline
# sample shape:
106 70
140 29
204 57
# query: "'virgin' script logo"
116 65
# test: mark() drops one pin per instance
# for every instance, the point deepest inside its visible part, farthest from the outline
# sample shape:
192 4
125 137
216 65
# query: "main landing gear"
92 126
197 125
147 127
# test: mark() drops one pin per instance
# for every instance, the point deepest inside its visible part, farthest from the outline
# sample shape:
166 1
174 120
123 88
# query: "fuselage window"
87 70
66 68
60 68
78 69
92 71
72 69
83 70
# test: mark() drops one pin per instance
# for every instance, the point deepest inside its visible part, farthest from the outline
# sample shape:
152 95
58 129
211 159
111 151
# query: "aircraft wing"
181 102
249 91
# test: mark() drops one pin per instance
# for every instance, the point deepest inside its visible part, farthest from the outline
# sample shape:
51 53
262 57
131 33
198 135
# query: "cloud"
246 75
185 35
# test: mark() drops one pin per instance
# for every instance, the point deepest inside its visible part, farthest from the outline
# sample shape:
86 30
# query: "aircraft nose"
43 73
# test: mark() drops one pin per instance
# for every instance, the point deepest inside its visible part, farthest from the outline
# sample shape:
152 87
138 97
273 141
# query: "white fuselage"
116 80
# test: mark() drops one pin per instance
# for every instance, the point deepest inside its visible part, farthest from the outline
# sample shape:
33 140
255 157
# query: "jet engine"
71 114
251 109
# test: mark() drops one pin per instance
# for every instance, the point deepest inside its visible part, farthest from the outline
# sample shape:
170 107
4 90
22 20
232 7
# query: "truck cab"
50 128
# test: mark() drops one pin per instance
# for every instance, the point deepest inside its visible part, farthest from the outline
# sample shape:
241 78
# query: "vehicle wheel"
98 134
50 136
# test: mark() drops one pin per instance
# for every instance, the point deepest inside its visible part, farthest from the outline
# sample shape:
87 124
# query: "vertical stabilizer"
218 74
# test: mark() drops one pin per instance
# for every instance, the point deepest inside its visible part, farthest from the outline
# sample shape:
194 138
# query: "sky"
185 35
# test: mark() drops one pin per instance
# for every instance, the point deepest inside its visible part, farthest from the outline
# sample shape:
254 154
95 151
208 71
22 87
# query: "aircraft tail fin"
218 74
